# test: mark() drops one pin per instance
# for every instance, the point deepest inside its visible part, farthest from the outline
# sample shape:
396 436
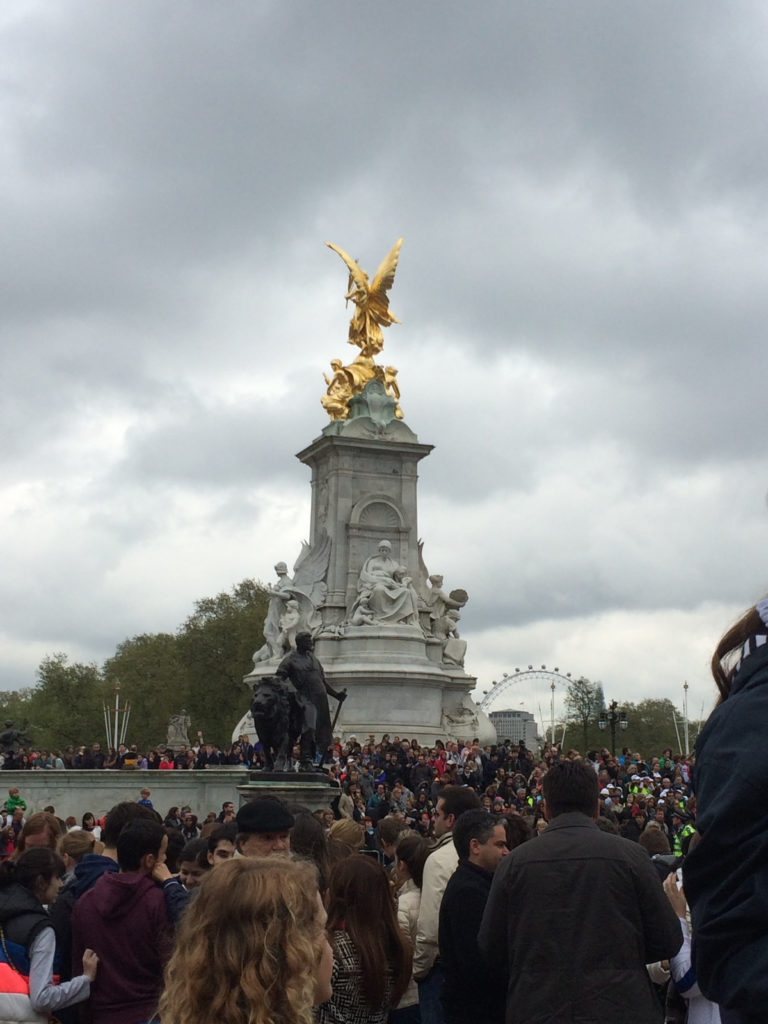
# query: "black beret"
264 814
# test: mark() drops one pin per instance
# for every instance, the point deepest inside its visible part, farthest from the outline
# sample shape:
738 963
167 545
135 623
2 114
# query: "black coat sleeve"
662 937
493 934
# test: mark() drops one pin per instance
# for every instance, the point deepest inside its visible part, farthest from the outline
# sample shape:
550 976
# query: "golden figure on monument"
365 330
371 300
339 391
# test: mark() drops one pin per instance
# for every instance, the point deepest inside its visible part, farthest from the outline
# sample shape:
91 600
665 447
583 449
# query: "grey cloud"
582 193
214 447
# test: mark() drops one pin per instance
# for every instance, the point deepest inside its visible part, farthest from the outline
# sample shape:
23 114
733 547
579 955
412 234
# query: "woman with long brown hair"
308 842
371 956
254 951
726 876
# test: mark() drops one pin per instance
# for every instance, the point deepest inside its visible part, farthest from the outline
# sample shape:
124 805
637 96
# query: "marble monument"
384 627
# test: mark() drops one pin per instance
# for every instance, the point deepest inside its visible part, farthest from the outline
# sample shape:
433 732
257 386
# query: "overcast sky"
581 189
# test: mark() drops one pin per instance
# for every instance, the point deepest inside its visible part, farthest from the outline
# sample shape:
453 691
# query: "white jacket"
441 864
408 901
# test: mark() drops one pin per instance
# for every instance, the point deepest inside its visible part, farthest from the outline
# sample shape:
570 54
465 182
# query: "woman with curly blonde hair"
254 951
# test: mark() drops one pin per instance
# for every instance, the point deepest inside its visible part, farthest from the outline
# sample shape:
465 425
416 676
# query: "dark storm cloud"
252 132
582 287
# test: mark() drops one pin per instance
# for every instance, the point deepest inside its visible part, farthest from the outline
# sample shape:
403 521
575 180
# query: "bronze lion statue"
277 718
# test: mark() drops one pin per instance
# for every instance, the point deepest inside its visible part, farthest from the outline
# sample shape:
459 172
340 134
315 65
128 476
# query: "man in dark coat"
575 914
306 673
471 991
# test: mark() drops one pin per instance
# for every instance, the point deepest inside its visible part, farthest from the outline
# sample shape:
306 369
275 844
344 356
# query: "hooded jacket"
89 871
726 875
86 875
124 919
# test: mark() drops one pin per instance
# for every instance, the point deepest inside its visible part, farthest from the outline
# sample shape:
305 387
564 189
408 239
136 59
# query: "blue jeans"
431 997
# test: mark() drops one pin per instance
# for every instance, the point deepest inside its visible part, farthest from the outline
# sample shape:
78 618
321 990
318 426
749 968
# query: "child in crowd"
14 800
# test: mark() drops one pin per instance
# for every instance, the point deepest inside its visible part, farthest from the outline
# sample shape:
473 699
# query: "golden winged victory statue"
365 331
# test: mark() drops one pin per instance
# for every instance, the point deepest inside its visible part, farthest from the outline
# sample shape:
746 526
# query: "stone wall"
74 793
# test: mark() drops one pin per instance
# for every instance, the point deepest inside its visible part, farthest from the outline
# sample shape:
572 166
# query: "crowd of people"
408 832
242 754
402 776
439 885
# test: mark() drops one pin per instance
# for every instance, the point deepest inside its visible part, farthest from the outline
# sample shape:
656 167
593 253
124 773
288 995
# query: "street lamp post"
613 717
552 710
685 716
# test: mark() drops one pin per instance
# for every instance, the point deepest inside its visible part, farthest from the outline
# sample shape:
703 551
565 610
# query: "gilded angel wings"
371 300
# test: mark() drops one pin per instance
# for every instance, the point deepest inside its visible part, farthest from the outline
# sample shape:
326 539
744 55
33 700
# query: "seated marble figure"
384 592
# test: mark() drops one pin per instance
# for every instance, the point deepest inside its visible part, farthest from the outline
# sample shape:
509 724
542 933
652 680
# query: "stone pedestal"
364 491
295 788
393 684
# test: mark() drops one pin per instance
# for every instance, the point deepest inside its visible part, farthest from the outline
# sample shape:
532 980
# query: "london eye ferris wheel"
534 682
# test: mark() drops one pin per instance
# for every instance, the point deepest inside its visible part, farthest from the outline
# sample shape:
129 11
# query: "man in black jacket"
575 914
471 992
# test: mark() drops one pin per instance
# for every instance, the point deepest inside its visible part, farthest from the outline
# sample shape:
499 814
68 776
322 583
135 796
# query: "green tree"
582 705
200 668
15 707
153 680
216 646
65 708
651 727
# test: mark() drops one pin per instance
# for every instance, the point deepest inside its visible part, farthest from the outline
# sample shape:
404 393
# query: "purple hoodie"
124 919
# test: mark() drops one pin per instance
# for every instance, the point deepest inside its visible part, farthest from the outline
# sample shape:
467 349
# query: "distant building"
516 726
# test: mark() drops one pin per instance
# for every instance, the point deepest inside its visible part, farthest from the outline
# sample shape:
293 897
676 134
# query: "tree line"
200 667
653 725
